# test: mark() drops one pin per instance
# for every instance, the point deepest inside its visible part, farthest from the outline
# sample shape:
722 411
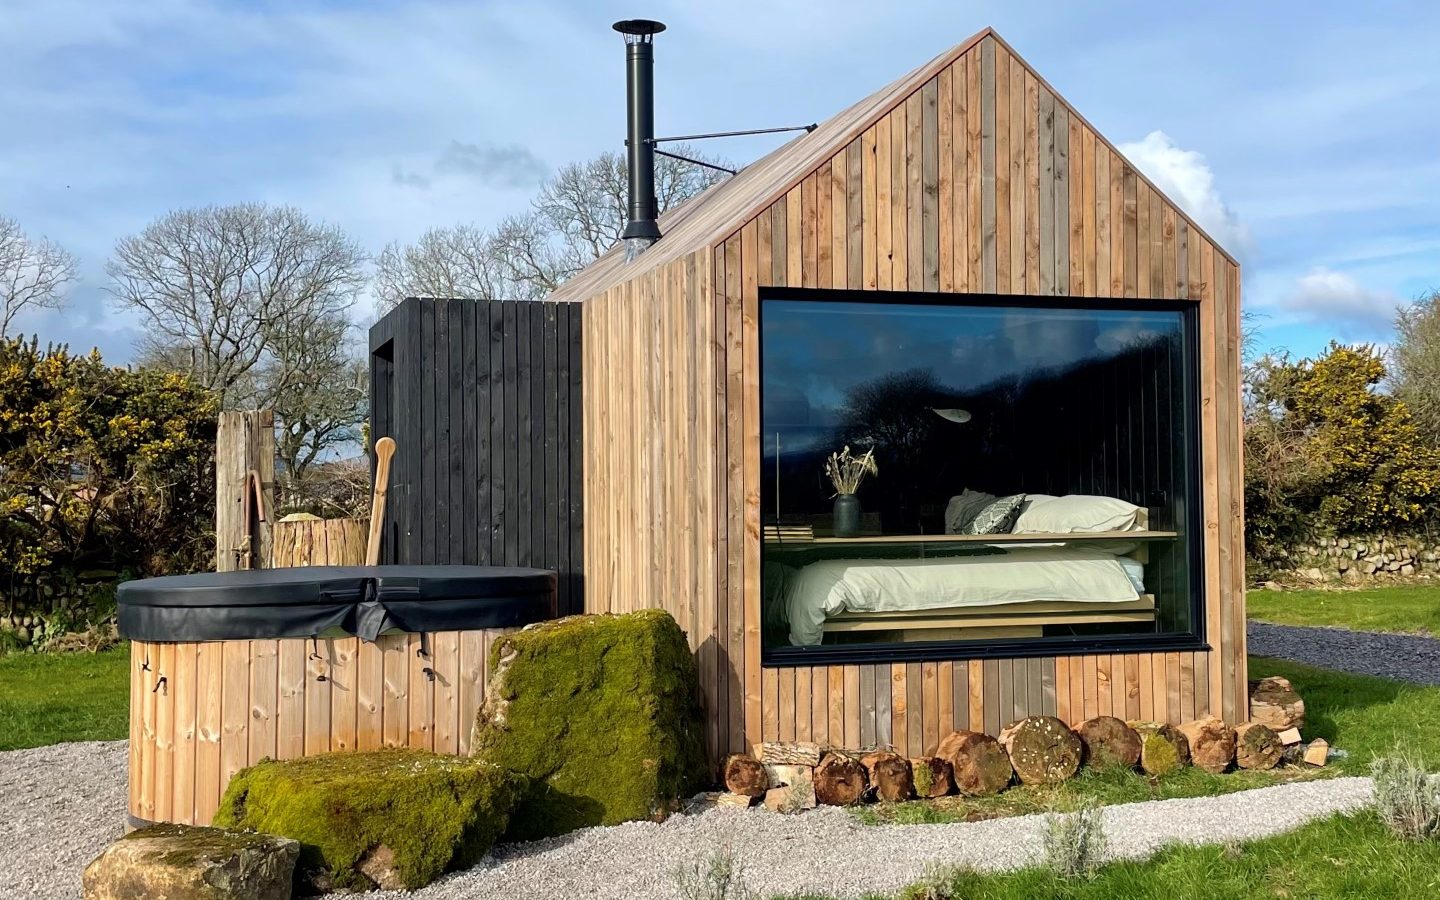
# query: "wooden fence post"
244 444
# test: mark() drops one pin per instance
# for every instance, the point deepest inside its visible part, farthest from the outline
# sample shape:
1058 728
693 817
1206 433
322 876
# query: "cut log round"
1211 742
978 763
1257 746
1043 749
889 775
746 775
839 780
1108 741
1163 749
1274 702
932 776
788 753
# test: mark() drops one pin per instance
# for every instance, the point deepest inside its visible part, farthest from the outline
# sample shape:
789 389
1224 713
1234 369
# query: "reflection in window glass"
1033 479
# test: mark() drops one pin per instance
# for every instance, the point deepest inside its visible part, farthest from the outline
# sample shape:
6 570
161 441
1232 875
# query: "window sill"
942 651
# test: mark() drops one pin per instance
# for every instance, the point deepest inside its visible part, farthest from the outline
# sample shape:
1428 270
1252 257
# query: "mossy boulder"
601 712
189 863
387 818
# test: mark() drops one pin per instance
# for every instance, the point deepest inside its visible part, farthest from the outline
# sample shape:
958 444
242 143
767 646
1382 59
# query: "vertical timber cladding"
970 175
483 400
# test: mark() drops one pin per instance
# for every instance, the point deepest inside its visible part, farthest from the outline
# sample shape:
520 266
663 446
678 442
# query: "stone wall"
1360 560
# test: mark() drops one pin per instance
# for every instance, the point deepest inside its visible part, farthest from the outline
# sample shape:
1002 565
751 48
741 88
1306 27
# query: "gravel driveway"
59 806
1403 657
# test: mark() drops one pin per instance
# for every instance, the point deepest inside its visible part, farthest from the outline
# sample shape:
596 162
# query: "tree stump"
889 775
932 777
1163 749
1211 742
978 763
1108 741
1257 746
839 780
1043 749
1275 703
745 775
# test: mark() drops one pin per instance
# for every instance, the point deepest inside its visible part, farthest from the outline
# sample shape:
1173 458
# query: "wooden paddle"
384 450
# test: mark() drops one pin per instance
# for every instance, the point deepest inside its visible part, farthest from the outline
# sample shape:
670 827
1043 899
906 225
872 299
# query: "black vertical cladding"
483 400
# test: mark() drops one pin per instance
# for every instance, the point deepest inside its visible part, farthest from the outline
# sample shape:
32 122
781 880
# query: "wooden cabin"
1041 349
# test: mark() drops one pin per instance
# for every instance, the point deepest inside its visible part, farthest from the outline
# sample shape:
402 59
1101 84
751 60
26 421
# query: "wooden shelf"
1008 616
1050 538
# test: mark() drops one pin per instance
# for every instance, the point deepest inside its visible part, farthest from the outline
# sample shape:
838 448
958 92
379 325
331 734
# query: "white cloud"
1338 300
1186 177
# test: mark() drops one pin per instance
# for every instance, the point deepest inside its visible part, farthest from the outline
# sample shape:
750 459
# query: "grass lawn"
1343 856
46 699
1412 609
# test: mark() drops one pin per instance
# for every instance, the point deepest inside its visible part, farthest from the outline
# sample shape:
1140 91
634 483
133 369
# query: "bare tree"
1415 362
33 274
253 302
577 216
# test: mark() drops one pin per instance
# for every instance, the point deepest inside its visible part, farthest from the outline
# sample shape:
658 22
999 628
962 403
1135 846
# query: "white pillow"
1076 513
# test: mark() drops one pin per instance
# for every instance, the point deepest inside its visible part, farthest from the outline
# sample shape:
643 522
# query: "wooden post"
244 443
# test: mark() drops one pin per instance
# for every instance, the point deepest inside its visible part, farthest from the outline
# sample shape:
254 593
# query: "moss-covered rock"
189 863
421 813
601 713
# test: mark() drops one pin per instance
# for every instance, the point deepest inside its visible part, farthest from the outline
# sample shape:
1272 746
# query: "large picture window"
1034 483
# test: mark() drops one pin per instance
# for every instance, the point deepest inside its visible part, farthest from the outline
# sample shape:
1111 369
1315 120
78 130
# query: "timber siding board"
899 192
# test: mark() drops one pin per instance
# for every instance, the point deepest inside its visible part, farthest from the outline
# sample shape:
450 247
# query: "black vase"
847 515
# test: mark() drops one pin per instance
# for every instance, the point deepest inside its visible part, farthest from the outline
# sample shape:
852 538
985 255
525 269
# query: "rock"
790 798
1273 586
1314 574
738 801
601 713
745 775
1407 569
839 780
1043 749
1163 749
1211 743
378 864
431 811
1368 568
791 753
1108 741
932 776
181 862
978 763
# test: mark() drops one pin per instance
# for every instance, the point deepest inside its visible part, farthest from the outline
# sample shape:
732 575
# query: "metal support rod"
698 162
724 134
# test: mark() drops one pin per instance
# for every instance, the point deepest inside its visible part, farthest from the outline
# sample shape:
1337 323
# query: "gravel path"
59 806
1403 657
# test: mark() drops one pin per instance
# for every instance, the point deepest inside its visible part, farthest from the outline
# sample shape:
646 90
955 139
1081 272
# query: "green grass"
46 699
1342 856
1409 609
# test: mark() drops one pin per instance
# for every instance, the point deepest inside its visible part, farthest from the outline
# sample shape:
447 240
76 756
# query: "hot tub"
228 668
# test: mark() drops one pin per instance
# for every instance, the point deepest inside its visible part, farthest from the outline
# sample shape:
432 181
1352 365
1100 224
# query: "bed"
1016 589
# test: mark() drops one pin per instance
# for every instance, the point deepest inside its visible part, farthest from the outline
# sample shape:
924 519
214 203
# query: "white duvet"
1017 575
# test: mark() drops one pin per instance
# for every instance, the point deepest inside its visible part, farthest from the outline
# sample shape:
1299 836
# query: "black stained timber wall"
483 400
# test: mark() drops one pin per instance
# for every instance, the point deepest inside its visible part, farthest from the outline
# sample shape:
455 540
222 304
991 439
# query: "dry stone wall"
1362 560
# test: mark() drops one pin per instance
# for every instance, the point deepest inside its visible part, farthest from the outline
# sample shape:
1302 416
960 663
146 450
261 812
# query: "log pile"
789 776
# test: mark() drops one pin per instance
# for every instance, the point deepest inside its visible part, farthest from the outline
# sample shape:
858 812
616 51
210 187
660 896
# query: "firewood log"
1274 702
932 776
1163 749
889 775
788 753
1043 749
977 761
1317 752
839 780
1211 742
1257 746
745 775
1108 741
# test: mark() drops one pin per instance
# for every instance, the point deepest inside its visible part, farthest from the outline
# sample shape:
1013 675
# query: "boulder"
1043 749
385 818
182 862
1109 741
601 713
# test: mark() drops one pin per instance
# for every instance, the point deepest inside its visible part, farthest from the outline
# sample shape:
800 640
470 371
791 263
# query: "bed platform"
1007 620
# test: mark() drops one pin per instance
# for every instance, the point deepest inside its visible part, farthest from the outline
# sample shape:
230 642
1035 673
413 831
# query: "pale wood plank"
210 677
751 474
868 218
1045 240
929 184
988 275
286 699
165 695
914 192
884 227
182 809
264 735
1003 175
852 706
899 199
945 178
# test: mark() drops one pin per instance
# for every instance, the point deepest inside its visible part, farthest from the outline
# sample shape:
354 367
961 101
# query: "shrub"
1075 842
1407 798
718 876
432 812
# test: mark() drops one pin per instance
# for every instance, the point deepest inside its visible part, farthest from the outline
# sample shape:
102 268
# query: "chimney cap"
639 28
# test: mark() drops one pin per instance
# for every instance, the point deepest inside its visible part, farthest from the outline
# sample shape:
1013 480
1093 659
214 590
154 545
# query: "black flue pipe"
641 229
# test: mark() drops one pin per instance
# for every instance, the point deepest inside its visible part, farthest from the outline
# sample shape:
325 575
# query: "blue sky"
1303 135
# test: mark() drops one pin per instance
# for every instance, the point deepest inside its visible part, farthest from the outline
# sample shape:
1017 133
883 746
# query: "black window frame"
1018 648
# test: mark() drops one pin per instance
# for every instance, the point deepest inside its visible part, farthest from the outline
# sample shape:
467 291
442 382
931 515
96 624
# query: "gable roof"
719 211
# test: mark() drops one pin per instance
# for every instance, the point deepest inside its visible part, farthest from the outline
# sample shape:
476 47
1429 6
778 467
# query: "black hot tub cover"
311 601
